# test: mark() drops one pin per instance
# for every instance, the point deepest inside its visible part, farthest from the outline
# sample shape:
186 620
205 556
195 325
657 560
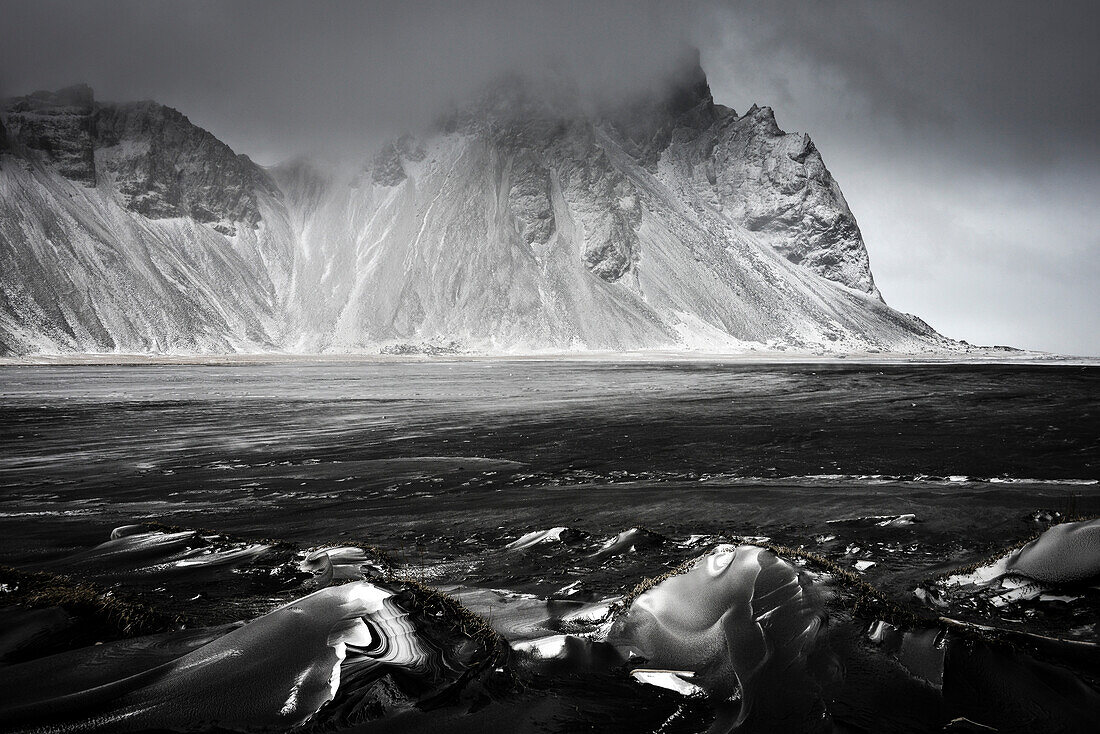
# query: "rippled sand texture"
550 547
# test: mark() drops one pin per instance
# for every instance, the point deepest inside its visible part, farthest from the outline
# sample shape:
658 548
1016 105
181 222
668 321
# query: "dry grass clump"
648 583
456 619
431 602
102 610
867 601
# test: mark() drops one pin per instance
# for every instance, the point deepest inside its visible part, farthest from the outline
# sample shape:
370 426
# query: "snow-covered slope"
523 222
126 228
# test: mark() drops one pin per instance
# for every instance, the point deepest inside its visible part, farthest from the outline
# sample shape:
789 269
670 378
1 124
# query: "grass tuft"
648 583
431 602
456 618
104 611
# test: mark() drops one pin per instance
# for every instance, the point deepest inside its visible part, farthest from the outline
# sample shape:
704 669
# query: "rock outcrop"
163 165
777 186
59 127
167 167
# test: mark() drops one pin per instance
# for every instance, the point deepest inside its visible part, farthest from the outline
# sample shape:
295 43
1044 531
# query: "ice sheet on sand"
883 521
521 618
1064 598
906 519
1015 589
577 587
544 647
593 613
136 551
628 541
980 576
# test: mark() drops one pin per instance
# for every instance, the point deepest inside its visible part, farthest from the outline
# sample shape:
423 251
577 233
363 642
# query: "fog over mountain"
529 219
965 146
280 79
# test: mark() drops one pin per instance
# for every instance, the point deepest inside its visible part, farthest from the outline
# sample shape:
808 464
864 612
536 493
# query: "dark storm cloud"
963 133
1025 73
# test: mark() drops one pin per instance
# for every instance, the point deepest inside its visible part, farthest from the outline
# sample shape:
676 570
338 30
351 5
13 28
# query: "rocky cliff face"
163 166
776 185
58 127
772 183
539 149
524 222
166 167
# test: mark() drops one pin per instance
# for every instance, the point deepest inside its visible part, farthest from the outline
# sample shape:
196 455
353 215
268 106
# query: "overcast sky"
963 134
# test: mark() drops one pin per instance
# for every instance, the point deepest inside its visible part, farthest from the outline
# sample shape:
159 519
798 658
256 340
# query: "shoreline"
976 357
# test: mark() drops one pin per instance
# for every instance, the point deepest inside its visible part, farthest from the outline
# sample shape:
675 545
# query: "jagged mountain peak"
555 93
534 218
683 94
771 182
763 117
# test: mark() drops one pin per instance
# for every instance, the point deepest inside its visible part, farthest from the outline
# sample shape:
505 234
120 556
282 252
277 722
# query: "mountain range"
523 221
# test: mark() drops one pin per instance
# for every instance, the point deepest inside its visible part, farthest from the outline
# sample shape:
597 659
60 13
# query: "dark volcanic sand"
442 464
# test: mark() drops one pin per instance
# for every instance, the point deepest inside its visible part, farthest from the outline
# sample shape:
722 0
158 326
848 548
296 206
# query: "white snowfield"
518 226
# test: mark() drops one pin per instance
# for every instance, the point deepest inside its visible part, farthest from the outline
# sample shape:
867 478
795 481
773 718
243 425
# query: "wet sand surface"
897 474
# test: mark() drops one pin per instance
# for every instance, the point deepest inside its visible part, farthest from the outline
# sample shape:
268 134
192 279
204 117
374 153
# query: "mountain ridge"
511 226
